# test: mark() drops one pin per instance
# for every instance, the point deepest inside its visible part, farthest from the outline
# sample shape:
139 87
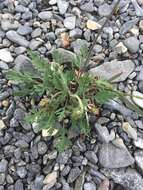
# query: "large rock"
111 156
130 179
16 38
111 69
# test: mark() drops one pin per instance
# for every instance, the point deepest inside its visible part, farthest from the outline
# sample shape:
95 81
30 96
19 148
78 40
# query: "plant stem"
99 32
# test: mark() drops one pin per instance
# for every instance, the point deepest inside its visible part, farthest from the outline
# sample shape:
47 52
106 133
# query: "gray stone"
75 33
80 181
42 148
22 144
129 179
138 9
78 44
140 75
69 22
8 25
20 50
16 38
139 160
138 143
38 183
6 56
2 178
111 156
19 185
45 15
104 10
132 43
128 25
37 32
23 63
74 173
66 170
64 157
27 15
3 66
89 186
4 95
3 165
137 98
66 56
87 6
34 44
21 172
139 124
91 156
24 30
62 6
110 69
21 9
103 133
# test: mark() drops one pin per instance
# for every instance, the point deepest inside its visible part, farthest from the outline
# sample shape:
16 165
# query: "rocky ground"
112 158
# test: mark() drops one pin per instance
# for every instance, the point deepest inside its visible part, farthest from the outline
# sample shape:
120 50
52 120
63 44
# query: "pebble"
110 69
64 157
16 38
104 10
34 44
45 15
139 160
129 44
51 179
21 172
3 65
137 98
62 6
140 75
141 25
138 9
80 181
120 48
111 156
36 33
103 133
6 56
91 156
89 186
24 30
138 143
69 22
74 173
42 148
92 25
132 133
2 125
3 166
19 185
128 25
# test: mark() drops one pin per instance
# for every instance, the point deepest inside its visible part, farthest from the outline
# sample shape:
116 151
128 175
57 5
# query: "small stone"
52 2
113 68
62 6
140 75
21 172
42 148
138 9
46 133
128 25
87 6
2 125
111 156
103 133
16 38
89 186
24 30
139 160
91 156
132 44
27 15
141 25
137 98
104 10
138 143
34 44
135 31
5 103
45 15
3 65
36 33
74 173
53 155
132 133
120 48
64 157
20 50
51 179
104 185
6 56
69 22
2 178
3 166
19 185
80 181
92 25
8 25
